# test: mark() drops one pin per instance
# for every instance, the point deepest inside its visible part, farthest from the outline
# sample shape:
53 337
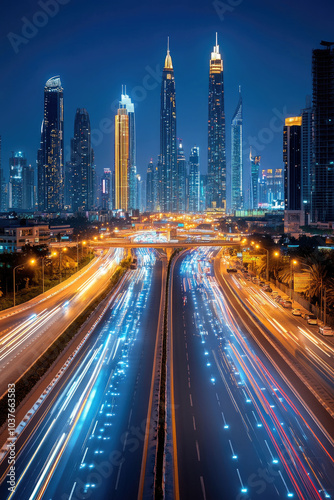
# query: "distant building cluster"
174 183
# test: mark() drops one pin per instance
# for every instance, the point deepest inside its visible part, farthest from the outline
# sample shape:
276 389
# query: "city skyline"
297 74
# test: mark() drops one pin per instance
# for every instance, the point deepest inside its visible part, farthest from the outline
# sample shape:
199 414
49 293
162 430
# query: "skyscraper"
2 185
236 156
306 157
51 153
16 164
292 163
194 180
82 159
202 192
168 149
216 133
182 176
322 194
150 187
28 187
106 190
255 167
125 150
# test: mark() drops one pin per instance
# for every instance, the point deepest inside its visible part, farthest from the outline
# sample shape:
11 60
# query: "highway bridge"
166 246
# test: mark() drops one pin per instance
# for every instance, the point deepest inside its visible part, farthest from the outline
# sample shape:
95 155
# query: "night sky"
96 46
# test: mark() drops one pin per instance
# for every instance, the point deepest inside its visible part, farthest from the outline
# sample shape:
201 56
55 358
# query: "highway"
302 341
238 432
88 439
28 329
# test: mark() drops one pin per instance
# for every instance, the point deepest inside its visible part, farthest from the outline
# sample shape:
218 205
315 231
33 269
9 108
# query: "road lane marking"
72 491
119 473
194 423
197 449
191 400
203 488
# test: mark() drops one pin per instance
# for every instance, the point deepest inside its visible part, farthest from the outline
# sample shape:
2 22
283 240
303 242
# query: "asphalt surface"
28 329
301 339
239 433
86 441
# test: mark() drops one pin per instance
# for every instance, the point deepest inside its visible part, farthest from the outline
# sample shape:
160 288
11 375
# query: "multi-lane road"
236 429
90 435
28 329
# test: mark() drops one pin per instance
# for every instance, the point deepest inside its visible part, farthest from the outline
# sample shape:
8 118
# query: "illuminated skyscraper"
28 189
322 194
82 160
306 157
255 167
194 180
236 156
292 163
51 153
106 190
182 177
216 194
168 149
150 187
16 164
125 152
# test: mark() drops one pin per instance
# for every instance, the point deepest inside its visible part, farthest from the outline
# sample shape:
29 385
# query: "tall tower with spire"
216 194
168 147
236 156
125 155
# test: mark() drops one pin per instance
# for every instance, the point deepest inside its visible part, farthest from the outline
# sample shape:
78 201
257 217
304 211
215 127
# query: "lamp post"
14 269
33 261
292 264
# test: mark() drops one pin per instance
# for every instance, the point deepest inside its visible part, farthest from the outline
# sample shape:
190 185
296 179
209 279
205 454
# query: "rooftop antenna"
216 38
122 90
125 89
168 45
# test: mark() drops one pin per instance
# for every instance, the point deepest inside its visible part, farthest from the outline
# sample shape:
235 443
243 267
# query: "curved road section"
239 432
29 329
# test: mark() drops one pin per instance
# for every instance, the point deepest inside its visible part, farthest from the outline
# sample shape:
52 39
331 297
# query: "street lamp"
292 264
14 269
54 254
33 261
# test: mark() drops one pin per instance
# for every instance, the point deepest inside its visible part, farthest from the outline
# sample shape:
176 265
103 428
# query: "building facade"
236 157
292 163
125 150
17 162
168 146
216 194
182 177
306 158
50 160
322 191
80 176
150 187
28 189
194 180
255 162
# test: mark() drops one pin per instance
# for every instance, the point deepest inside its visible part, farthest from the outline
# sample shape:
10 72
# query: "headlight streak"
191 266
112 346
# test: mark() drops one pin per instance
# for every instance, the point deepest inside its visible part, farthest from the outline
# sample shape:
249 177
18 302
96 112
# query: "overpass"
167 246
